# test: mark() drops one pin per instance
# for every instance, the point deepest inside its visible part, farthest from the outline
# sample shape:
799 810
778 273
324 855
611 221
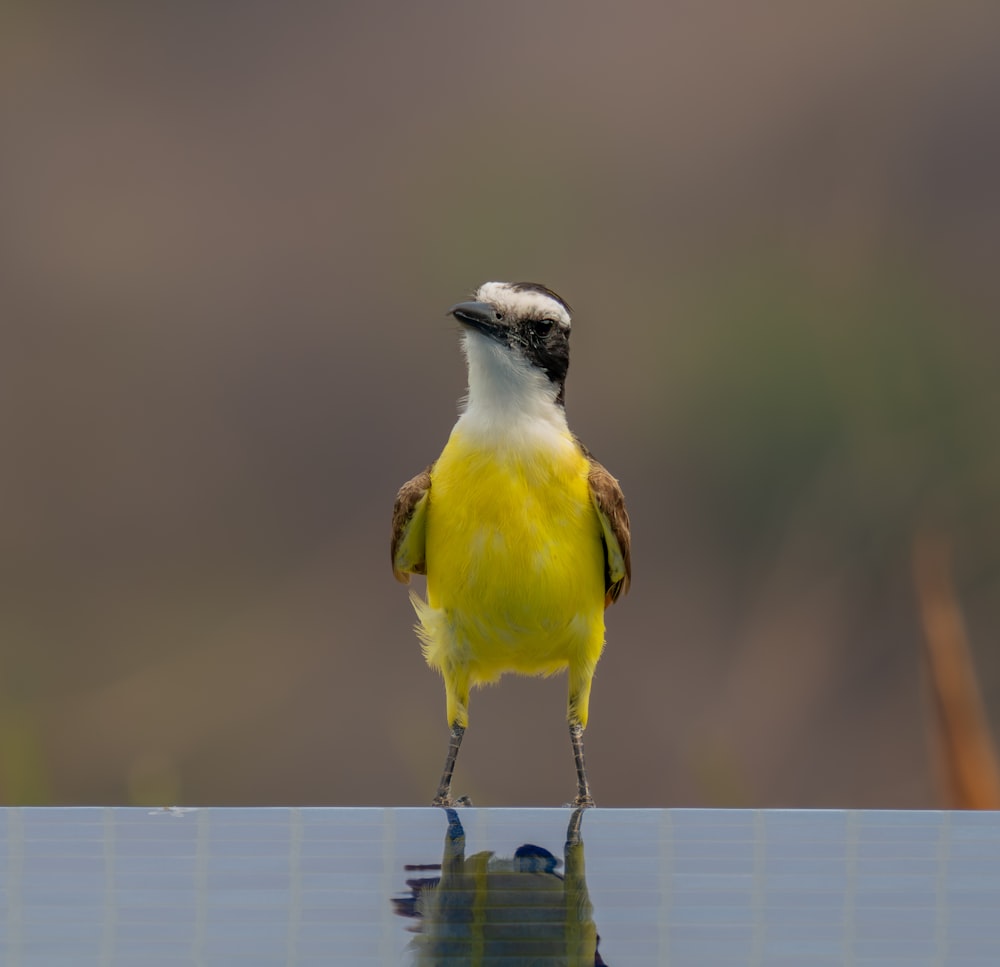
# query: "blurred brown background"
228 237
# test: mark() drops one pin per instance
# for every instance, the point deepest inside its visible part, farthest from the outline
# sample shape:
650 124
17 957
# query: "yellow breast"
515 561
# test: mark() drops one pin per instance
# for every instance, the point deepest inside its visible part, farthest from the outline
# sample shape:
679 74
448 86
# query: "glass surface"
310 886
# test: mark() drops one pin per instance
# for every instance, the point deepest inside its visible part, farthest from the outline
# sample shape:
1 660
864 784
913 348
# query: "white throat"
508 398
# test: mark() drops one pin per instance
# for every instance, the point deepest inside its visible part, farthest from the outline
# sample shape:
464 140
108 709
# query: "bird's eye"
543 326
498 315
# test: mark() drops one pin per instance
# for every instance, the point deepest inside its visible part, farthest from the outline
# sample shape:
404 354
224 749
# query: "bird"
523 537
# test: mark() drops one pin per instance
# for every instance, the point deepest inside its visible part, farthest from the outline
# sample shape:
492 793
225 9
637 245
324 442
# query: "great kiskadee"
522 534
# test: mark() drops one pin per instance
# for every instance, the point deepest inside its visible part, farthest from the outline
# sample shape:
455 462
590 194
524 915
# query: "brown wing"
610 503
409 520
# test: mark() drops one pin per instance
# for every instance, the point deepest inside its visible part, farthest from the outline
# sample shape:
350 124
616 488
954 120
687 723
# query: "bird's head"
516 339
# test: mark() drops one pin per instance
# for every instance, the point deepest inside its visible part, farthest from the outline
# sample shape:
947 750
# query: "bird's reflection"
503 911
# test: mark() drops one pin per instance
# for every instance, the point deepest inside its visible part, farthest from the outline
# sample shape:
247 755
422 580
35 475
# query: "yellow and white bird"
522 534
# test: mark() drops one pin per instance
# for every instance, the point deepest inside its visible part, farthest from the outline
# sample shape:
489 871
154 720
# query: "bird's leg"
456 688
443 797
580 679
583 796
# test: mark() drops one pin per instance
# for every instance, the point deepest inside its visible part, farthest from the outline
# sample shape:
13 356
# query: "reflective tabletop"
310 886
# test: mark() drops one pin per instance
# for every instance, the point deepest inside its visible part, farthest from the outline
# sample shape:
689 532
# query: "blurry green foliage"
860 402
23 773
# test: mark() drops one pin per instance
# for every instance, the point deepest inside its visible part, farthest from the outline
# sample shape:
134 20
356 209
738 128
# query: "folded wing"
609 502
409 527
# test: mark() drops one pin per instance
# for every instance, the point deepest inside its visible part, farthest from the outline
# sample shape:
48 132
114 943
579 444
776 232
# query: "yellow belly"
515 562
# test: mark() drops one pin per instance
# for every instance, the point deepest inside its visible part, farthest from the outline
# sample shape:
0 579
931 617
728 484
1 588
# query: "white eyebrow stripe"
526 304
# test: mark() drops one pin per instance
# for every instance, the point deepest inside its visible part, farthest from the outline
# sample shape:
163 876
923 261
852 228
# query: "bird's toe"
448 803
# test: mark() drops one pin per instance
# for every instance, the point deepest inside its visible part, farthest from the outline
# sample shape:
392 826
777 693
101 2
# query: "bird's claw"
450 803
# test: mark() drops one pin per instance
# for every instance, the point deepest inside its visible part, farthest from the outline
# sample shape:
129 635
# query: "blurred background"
228 238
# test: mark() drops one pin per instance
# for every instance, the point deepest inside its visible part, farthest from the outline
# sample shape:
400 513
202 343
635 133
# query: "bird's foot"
581 802
450 803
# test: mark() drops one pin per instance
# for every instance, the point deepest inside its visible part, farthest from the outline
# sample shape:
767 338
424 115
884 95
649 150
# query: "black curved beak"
480 316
